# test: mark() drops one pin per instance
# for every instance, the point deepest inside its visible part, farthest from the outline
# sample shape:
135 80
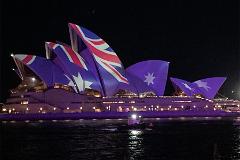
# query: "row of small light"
141 96
79 108
227 104
27 109
109 108
157 107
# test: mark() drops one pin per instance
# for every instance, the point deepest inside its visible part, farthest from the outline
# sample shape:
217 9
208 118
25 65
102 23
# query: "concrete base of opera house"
116 115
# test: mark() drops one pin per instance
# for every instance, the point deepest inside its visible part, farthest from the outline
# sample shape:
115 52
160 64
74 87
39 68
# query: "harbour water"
169 139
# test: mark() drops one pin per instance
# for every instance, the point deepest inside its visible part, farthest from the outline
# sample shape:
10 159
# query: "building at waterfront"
89 76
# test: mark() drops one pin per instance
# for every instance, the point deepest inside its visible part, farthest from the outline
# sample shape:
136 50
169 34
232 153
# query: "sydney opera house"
88 76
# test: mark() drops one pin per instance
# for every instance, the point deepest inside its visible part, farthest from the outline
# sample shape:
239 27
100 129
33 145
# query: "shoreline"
116 115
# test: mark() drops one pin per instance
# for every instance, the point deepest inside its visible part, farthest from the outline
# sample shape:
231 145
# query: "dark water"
109 140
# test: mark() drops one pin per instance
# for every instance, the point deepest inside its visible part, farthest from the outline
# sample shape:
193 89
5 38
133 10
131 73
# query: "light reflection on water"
135 146
236 137
110 139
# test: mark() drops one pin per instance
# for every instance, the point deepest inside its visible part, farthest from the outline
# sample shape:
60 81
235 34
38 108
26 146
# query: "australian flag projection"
183 85
90 63
44 68
101 58
149 76
74 67
207 87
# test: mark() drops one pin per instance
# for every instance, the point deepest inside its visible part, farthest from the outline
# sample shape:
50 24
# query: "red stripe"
74 27
98 42
27 59
101 54
116 72
105 56
73 56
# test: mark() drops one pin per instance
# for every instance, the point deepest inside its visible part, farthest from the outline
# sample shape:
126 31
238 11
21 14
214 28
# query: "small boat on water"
134 119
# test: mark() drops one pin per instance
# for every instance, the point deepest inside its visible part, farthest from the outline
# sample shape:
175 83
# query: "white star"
79 81
70 83
187 86
202 84
88 84
149 79
81 84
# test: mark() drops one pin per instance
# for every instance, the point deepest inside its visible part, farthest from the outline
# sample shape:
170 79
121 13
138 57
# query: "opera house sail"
88 77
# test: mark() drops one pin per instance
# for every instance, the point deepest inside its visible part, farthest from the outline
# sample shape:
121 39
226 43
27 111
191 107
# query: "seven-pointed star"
203 85
81 84
149 78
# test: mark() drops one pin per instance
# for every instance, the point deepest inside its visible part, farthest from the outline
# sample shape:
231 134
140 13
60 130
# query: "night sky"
199 39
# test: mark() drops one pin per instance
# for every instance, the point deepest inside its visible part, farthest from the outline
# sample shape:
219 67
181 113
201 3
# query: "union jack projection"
75 68
26 59
72 56
106 60
44 68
